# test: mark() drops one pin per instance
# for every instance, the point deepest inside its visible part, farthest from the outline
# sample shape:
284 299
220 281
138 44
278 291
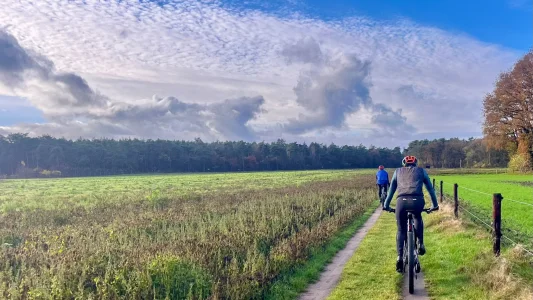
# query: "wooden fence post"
441 191
455 200
433 183
497 222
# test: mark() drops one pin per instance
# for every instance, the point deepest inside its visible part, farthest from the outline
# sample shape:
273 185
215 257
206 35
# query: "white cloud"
203 52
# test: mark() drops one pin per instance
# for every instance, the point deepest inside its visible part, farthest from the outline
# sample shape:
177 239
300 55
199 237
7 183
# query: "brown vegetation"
221 246
509 111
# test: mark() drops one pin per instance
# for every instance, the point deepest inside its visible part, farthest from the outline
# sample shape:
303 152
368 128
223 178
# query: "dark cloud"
15 61
306 50
34 77
154 109
331 94
232 116
333 89
78 91
390 122
330 91
75 109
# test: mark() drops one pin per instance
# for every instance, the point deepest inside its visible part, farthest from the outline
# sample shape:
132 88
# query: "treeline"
457 153
24 156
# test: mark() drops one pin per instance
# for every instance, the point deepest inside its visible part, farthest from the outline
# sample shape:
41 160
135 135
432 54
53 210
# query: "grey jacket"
408 181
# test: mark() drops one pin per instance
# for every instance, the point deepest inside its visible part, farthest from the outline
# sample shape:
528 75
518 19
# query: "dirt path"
332 273
420 292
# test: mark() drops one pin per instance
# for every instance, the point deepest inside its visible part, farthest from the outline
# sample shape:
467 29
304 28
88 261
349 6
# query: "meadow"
216 236
24 194
475 193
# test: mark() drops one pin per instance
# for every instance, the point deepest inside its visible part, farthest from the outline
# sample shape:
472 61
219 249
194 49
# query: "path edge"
330 277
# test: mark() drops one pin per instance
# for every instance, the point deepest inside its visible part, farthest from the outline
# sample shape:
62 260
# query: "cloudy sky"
323 71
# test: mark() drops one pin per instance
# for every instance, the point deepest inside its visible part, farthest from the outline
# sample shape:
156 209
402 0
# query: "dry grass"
225 245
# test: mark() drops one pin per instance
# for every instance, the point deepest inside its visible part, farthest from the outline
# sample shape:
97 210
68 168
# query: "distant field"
223 236
477 189
88 191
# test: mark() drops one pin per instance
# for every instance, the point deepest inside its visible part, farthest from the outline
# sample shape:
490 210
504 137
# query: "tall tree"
508 110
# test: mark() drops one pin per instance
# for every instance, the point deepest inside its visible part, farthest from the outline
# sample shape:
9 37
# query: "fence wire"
489 226
488 194
519 245
478 218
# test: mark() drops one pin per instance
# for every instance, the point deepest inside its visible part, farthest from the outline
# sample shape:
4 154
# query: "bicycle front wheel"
411 260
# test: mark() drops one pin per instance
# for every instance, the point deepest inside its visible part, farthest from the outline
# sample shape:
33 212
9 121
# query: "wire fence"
489 224
506 199
518 245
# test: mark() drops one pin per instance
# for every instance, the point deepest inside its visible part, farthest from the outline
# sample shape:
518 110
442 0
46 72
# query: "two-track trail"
332 273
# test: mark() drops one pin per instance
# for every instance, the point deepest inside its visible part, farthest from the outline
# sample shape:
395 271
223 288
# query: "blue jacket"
382 177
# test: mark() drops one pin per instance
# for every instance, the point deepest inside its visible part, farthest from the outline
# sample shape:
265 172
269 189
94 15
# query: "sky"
377 73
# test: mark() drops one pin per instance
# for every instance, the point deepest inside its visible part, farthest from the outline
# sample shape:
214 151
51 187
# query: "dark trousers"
403 204
382 188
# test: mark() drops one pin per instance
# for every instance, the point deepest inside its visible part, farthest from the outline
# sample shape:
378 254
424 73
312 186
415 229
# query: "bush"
519 163
173 278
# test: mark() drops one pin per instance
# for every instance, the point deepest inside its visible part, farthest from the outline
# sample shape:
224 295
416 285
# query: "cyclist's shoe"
417 267
421 249
399 265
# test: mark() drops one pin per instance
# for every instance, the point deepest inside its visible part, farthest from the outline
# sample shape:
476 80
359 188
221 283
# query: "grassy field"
89 191
222 236
475 191
458 265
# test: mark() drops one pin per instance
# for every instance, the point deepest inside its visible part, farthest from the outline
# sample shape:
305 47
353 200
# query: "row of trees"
457 153
24 156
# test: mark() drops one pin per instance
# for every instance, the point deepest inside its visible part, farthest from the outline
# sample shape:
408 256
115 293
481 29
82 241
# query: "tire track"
420 292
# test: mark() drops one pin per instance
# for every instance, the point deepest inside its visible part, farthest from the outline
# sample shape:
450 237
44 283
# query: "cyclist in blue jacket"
382 181
408 182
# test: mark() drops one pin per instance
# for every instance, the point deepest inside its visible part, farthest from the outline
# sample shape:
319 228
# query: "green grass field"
89 191
476 192
224 236
220 236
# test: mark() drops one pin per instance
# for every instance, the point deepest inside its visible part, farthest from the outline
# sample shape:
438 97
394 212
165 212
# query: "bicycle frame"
410 255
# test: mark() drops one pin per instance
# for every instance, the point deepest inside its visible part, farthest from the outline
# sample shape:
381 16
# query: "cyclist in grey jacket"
408 182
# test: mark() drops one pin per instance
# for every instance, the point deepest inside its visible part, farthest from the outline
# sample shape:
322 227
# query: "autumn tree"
508 111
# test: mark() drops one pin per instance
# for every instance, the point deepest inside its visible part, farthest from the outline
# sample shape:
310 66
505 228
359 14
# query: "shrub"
519 163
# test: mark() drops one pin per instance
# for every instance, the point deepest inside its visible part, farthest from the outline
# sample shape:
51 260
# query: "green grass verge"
371 272
517 219
290 285
460 264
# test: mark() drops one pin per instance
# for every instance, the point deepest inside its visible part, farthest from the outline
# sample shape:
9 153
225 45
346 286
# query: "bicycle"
384 191
410 253
382 199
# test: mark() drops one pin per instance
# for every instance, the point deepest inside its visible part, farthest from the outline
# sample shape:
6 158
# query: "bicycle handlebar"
426 210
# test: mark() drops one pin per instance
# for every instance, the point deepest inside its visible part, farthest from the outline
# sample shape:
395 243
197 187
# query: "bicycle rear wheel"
411 259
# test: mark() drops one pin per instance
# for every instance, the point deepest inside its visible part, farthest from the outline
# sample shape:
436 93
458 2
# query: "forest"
22 156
